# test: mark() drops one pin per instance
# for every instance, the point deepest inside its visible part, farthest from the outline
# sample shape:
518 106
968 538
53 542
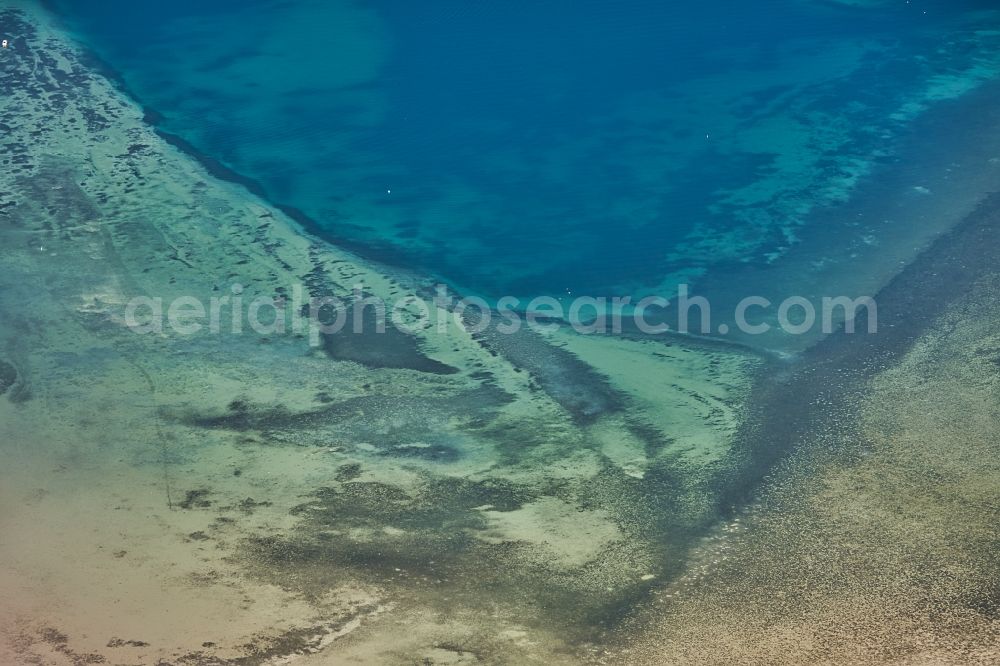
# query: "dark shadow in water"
573 384
8 376
390 348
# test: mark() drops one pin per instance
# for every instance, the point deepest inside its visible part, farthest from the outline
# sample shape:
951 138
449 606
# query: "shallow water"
544 497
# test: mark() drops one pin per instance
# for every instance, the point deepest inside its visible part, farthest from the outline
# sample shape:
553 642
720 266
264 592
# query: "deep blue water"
545 147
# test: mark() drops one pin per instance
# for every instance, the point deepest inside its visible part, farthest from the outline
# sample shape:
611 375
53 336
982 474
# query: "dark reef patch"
348 472
196 499
426 541
120 642
573 384
379 345
8 376
386 421
59 642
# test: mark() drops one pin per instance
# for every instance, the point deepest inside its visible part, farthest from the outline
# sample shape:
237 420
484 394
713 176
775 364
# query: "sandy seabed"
250 499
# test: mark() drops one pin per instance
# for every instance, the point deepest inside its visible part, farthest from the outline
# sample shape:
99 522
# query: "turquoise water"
554 147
